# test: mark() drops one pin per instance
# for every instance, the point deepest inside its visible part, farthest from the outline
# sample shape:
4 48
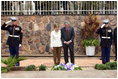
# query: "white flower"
75 65
58 65
65 67
72 68
68 64
55 67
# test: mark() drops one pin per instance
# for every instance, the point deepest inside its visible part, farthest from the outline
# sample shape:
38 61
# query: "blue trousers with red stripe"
105 54
14 51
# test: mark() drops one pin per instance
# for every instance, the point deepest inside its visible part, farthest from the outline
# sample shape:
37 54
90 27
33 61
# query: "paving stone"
59 74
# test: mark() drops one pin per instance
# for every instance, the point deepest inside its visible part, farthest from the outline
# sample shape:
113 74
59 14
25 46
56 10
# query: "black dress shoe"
115 60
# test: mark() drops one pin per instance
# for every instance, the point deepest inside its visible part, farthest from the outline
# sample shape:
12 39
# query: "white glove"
64 41
8 22
102 25
111 46
19 45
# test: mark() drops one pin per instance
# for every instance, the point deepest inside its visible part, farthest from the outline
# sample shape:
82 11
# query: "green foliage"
4 69
112 65
42 67
96 66
9 62
91 23
77 68
90 42
58 67
109 66
30 68
101 67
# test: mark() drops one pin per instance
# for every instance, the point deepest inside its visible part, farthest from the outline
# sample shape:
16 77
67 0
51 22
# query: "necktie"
67 31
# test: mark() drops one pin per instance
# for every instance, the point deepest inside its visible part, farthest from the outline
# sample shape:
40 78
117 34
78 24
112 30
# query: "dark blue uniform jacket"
13 30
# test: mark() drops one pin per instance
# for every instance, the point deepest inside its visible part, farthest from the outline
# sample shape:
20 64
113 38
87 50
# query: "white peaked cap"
106 21
13 18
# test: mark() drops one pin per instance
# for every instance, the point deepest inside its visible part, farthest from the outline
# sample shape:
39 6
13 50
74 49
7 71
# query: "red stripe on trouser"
101 56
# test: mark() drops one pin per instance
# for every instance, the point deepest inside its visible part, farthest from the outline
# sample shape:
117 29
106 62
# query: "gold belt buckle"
12 35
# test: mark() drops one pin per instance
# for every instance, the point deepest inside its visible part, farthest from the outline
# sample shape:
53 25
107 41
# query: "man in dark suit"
115 42
67 37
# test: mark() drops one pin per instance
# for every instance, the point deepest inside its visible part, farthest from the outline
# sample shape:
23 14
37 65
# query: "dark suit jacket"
70 36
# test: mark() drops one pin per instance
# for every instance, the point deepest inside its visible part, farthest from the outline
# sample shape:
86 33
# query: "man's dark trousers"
116 51
71 48
14 51
105 54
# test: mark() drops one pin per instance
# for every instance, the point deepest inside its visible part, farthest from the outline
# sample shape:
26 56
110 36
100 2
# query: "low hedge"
30 68
107 66
33 68
42 67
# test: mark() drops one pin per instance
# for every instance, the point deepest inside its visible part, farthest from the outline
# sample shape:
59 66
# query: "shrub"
4 69
101 67
112 65
9 62
30 68
42 67
96 66
109 66
90 42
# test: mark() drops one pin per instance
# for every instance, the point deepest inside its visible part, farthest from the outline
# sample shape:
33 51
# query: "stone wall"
37 29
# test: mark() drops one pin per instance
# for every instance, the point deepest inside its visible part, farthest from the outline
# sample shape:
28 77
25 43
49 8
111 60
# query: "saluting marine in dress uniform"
15 37
105 32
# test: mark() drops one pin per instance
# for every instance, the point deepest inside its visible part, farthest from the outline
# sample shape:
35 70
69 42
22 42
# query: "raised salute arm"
4 26
8 22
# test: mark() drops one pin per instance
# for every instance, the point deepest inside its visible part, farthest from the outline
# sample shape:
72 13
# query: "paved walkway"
62 74
48 61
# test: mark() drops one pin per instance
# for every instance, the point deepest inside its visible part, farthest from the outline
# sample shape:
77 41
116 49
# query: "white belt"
106 37
13 35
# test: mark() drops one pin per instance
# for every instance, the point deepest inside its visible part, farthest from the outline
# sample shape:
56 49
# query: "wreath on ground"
68 66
